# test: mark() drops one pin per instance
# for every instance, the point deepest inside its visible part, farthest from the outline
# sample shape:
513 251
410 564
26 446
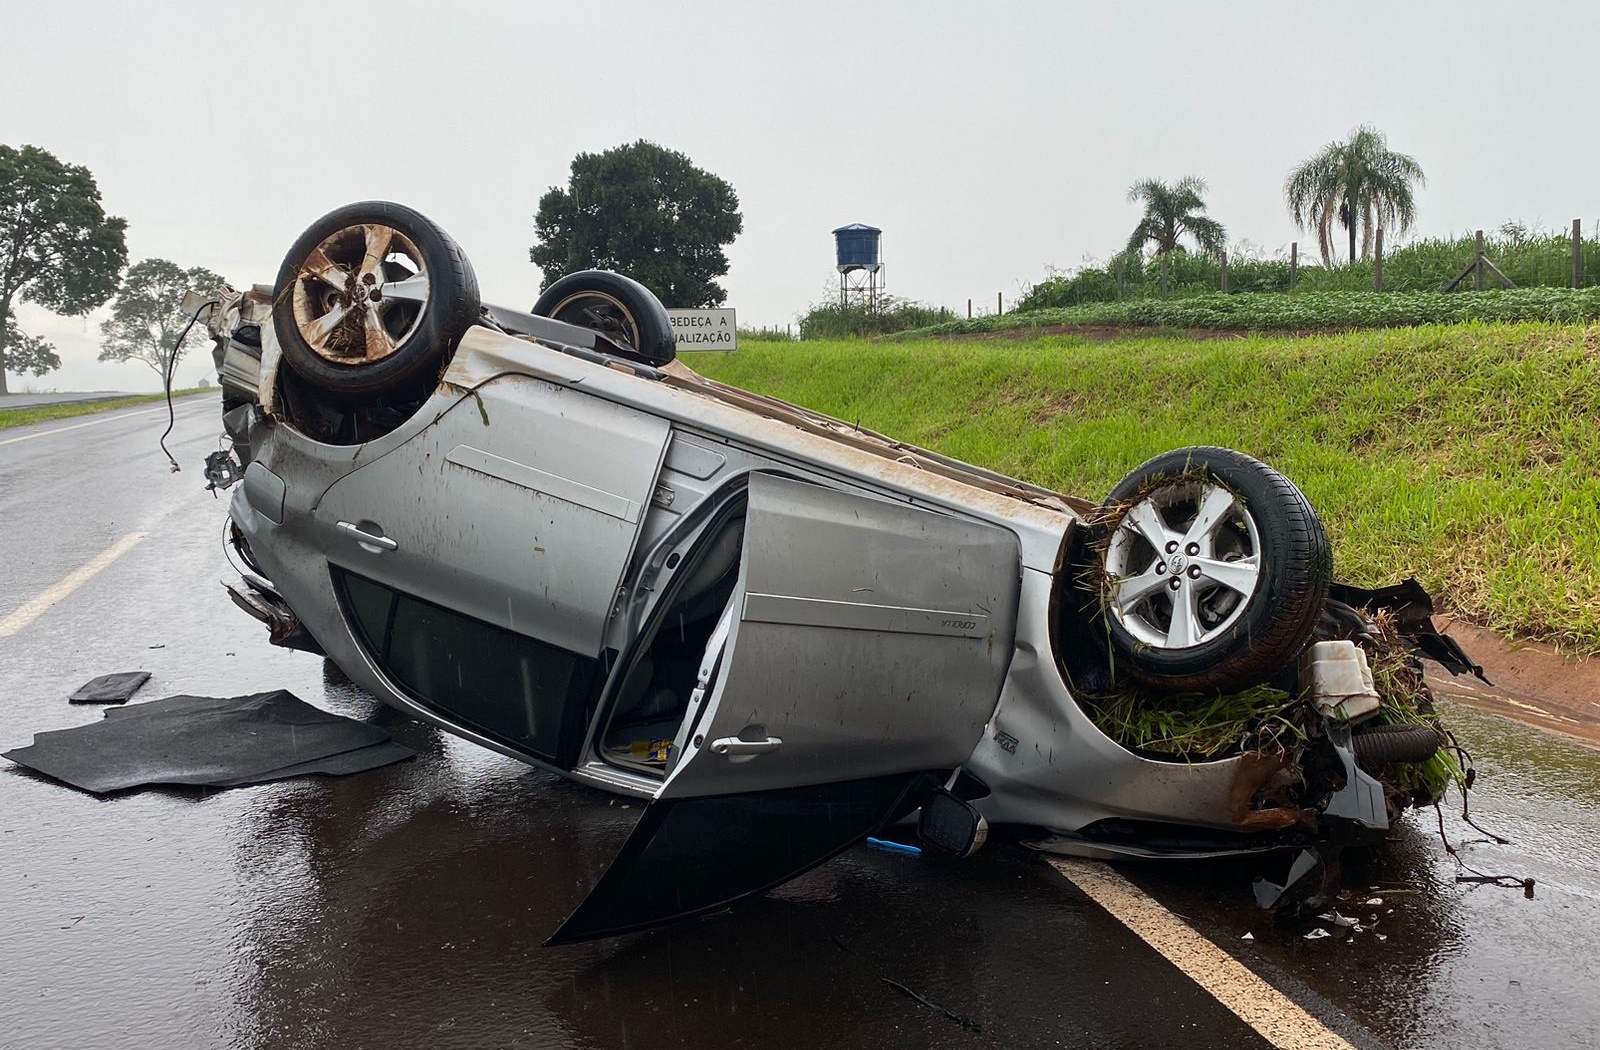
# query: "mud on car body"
542 532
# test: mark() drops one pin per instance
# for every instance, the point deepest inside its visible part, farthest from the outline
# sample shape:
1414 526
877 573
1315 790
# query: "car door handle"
737 747
375 542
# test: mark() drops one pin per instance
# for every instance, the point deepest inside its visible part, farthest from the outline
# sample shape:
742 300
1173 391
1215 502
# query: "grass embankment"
1298 312
21 417
1468 456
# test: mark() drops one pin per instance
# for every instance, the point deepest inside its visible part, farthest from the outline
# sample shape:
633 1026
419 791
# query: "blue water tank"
856 247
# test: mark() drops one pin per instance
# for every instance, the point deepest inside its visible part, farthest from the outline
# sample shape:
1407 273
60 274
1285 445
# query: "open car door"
866 644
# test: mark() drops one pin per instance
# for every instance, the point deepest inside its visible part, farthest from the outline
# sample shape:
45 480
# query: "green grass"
21 417
1300 312
1188 725
1467 455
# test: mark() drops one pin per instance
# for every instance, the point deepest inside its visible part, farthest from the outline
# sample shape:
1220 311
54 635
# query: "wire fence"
1511 256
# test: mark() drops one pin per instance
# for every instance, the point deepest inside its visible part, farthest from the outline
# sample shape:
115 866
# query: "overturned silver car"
542 532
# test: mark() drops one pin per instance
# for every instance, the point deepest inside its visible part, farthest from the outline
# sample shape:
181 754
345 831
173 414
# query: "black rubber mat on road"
208 741
110 688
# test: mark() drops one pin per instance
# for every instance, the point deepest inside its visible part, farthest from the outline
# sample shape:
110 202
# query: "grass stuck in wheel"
1188 726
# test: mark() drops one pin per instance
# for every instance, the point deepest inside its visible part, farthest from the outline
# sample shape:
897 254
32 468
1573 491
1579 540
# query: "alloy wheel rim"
361 293
1182 564
603 313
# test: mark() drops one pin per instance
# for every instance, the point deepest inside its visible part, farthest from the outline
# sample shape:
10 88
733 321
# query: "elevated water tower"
858 249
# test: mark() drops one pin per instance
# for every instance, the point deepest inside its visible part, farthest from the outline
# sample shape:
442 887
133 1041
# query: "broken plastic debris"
1318 934
1341 681
1248 937
1268 894
1336 919
894 847
1374 902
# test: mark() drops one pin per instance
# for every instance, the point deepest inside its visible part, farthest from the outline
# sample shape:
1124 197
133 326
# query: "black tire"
1259 634
345 362
619 307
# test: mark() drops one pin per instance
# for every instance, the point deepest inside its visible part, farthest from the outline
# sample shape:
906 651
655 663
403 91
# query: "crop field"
1298 312
1465 455
1529 258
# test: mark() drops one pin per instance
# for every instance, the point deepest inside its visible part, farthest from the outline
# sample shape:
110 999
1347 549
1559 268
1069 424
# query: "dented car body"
781 630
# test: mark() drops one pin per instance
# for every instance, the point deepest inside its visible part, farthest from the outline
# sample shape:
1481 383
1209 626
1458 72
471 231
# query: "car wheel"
371 299
1215 570
620 308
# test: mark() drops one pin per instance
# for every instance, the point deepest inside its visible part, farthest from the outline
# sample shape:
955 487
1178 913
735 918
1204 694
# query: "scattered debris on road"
114 688
210 742
964 1022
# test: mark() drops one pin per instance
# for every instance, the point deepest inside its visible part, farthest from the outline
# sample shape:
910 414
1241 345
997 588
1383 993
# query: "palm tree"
1359 183
1172 211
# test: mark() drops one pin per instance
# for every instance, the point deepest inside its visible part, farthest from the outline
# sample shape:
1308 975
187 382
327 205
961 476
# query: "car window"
526 693
687 856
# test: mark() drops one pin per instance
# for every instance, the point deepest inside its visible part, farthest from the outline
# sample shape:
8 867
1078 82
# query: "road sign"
704 329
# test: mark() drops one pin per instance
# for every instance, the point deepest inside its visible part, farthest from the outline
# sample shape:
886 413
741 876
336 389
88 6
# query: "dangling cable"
166 379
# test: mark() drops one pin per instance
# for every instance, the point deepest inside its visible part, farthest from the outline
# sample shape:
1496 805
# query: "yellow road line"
22 617
1279 1020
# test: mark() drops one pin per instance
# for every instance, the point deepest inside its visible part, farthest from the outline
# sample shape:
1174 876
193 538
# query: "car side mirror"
951 826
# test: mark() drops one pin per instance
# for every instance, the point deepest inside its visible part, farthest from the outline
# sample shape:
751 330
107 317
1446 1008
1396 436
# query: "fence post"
1163 275
1477 270
999 303
969 309
1294 265
1377 263
1224 261
1577 253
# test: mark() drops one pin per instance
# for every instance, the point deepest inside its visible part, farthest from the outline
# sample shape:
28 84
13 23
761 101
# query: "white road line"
1277 1018
108 418
77 578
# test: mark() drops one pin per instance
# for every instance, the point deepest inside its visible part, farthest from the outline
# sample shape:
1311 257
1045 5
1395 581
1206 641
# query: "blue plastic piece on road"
894 847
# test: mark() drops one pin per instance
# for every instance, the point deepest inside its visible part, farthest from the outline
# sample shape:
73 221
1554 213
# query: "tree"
146 317
1359 183
28 353
58 248
645 211
1171 212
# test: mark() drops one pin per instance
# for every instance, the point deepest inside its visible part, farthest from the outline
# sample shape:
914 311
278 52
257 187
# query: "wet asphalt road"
405 907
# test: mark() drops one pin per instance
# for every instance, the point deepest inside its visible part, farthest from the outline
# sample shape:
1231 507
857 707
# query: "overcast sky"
989 141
